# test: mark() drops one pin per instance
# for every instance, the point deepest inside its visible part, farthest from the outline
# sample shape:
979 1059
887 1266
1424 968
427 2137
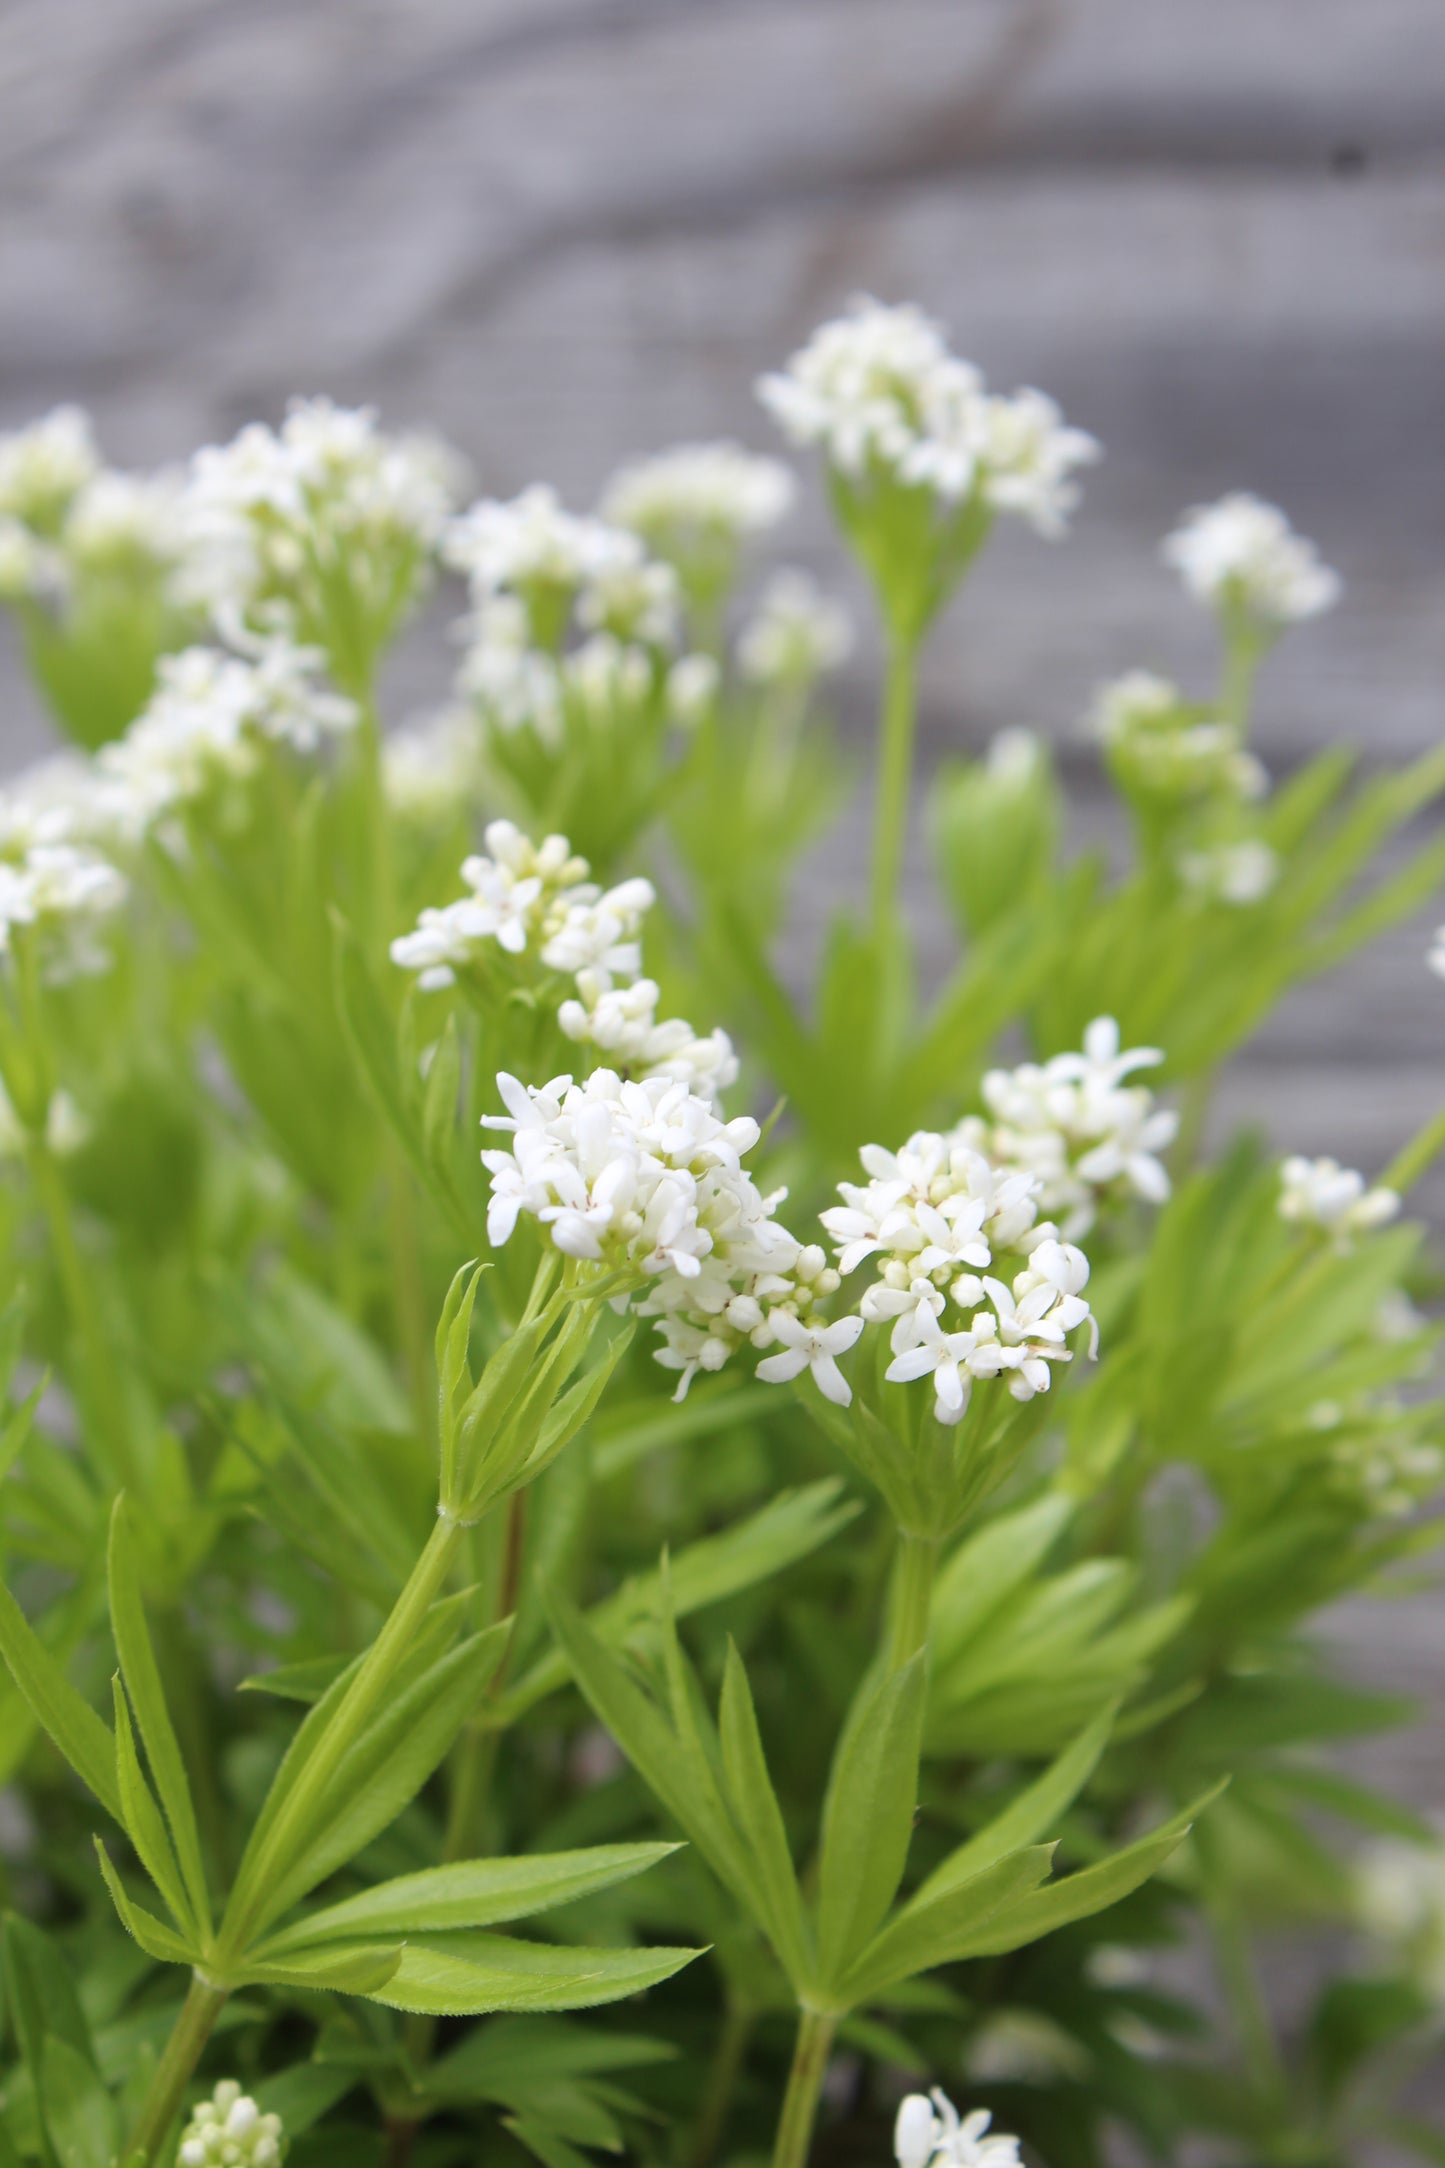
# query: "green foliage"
347 1537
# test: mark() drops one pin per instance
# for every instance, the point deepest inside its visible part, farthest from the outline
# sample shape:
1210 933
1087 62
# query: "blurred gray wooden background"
566 231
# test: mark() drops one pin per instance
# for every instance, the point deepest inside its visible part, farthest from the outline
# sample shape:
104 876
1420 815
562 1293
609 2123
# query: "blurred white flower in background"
1243 553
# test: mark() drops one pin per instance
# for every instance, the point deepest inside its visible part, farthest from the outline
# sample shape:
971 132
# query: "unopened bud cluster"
229 2131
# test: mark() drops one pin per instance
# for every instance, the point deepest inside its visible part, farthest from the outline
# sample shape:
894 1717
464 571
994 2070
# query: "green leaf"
937 1929
467 1975
347 1968
1035 1811
78 2108
387 1766
143 1684
1079 1896
758 1816
868 1816
71 1722
143 1823
439 1101
472 1893
544 2144
305 1681
648 1739
154 1936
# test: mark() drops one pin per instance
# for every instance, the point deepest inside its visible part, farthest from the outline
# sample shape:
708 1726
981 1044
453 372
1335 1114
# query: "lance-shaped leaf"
467 1975
868 1816
936 1930
154 1936
346 1968
143 1685
471 1893
71 1722
143 1823
386 1767
755 1809
1079 1896
1031 1815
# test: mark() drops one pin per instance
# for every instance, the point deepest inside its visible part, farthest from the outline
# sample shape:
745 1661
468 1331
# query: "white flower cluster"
535 898
929 2133
63 515
1075 1126
275 512
1321 1193
646 1180
1238 874
937 1216
684 501
55 885
523 896
1400 1902
432 770
1388 1472
1169 748
209 717
229 2131
622 1023
1243 553
879 389
548 559
795 635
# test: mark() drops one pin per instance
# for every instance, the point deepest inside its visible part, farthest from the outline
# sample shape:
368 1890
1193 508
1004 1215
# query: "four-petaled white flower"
929 2133
813 1347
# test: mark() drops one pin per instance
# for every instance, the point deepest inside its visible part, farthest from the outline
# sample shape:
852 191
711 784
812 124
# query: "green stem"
173 2072
895 774
1423 1149
100 1392
261 1872
1193 1118
1243 653
721 2082
914 1569
794 2141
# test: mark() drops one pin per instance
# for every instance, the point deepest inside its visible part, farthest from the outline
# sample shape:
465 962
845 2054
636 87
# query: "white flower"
1400 1902
692 687
523 895
632 599
684 500
929 2133
1321 1193
229 2131
117 521
812 1347
622 1023
432 770
1242 552
1028 456
1234 873
796 634
62 893
1077 1128
45 466
879 389
276 517
531 542
28 566
209 715
511 682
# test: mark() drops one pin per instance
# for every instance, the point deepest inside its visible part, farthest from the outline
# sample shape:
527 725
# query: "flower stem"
895 774
1417 1157
721 2082
794 2141
260 1873
914 1569
173 2072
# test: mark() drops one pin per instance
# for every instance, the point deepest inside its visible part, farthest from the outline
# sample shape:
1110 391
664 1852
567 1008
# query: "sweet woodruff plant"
555 1458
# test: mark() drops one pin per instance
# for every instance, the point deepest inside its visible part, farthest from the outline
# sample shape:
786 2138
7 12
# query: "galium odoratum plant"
459 1377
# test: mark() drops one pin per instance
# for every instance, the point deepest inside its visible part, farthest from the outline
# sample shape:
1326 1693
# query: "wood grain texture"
569 230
